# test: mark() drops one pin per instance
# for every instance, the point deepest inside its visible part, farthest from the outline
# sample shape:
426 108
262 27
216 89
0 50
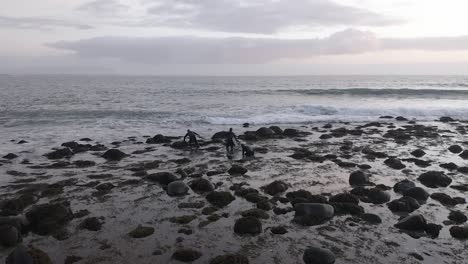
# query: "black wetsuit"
247 152
230 141
192 138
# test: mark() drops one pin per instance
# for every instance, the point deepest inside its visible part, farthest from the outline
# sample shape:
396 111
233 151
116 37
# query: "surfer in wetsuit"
230 141
247 152
192 139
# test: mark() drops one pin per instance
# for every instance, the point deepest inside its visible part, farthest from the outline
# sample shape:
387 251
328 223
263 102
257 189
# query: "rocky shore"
392 191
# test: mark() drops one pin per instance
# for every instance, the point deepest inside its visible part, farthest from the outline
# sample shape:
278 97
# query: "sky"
234 37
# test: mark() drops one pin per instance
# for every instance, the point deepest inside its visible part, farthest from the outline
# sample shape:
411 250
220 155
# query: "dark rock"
446 119
237 170
417 193
444 199
220 135
24 255
9 235
182 220
459 232
248 226
10 156
371 218
309 214
449 166
141 232
277 130
279 230
464 154
114 155
158 139
72 259
22 142
230 259
163 178
265 132
404 204
458 217
347 208
179 145
91 224
403 186
418 153
377 196
177 188
255 212
415 222
394 163
105 187
303 196
463 170
455 149
196 205
17 205
59 154
201 185
344 198
291 132
275 187
186 255
401 118
358 178
45 219
264 205
220 199
434 179
315 255
84 163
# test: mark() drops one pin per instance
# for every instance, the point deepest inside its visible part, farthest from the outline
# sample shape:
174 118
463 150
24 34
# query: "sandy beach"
80 202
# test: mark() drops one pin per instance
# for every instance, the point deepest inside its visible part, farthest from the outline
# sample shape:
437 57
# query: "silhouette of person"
247 152
192 138
230 141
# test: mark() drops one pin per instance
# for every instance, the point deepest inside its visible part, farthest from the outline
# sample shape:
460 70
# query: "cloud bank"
38 23
198 50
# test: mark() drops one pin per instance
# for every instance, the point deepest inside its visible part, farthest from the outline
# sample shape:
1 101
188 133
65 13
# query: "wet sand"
135 199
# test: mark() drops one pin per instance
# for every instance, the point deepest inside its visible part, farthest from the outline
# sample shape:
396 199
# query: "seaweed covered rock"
316 255
48 218
220 199
434 179
309 214
275 188
114 155
248 226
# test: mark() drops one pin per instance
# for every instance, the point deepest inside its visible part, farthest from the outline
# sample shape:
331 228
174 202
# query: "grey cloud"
103 7
197 50
261 16
38 23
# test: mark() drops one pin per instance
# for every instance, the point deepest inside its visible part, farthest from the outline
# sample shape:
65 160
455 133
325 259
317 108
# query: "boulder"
114 155
418 153
358 178
230 259
316 255
265 132
309 214
237 170
457 217
434 179
417 193
248 226
275 188
394 163
404 204
201 185
91 224
415 222
177 188
277 130
24 255
10 156
141 232
59 154
455 149
464 154
290 132
186 255
45 219
255 212
344 198
403 186
378 196
459 232
371 218
220 199
158 139
444 199
446 119
9 235
449 166
179 145
163 178
220 135
278 230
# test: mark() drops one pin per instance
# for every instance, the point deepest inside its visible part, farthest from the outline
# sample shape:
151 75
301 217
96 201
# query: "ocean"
53 106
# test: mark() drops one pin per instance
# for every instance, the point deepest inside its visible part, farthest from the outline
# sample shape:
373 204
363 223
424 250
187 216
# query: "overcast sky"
234 37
